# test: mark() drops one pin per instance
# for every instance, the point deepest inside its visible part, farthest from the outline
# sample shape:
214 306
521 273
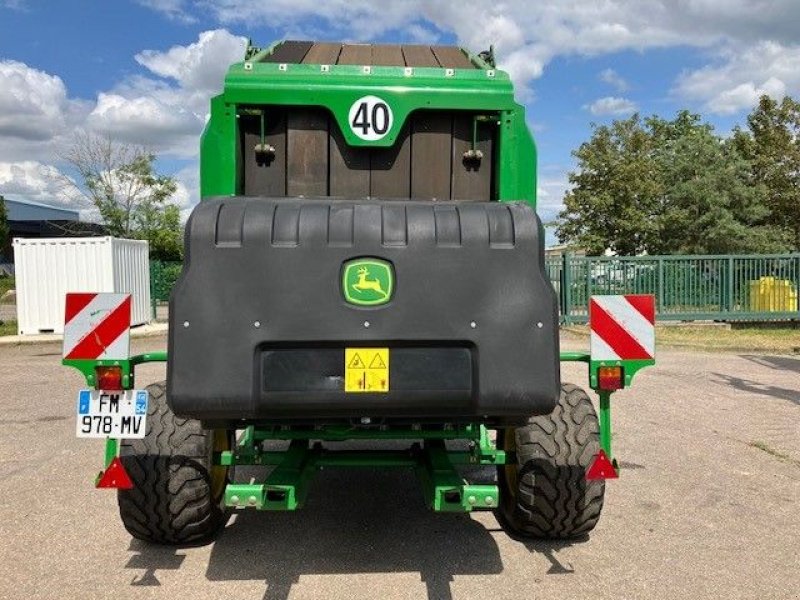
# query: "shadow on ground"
362 521
355 521
760 389
781 363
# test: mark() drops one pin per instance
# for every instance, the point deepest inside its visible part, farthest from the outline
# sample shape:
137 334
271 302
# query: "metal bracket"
286 487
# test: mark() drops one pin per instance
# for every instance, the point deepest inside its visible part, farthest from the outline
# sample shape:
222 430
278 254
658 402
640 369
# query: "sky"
144 70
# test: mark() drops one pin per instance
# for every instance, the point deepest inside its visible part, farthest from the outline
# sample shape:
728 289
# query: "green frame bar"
287 486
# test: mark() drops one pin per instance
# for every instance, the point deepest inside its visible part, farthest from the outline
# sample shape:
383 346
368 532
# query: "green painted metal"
605 422
575 357
251 83
341 433
112 449
707 287
87 367
286 487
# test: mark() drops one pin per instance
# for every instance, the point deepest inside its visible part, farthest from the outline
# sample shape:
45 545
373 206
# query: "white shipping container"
47 268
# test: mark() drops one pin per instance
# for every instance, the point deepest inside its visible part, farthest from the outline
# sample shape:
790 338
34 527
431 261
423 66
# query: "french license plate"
111 414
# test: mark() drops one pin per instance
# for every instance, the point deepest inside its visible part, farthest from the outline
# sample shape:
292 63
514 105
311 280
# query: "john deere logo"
368 282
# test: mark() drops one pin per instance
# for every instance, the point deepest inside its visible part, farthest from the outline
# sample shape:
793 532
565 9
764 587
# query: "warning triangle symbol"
115 476
377 363
356 363
601 468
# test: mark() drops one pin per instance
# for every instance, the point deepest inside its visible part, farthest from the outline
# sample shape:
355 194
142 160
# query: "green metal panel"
338 87
218 150
286 487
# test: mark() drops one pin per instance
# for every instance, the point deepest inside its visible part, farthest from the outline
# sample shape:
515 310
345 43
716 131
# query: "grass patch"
769 450
6 283
8 328
719 338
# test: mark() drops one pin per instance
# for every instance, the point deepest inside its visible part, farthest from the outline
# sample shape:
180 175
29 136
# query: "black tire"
546 494
177 495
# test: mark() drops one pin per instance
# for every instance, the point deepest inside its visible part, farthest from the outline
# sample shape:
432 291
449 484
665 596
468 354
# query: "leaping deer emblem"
363 284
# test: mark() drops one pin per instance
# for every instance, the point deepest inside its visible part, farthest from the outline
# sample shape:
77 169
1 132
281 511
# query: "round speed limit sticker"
370 118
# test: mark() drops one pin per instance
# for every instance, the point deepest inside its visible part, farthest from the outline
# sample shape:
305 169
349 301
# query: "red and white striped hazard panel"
622 327
97 326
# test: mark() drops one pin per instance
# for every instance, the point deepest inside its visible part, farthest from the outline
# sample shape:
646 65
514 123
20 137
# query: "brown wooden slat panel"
419 56
289 52
387 56
472 180
355 54
430 155
264 177
451 57
307 152
323 53
391 168
349 170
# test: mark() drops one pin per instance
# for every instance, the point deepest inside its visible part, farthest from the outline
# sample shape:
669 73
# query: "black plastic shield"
259 320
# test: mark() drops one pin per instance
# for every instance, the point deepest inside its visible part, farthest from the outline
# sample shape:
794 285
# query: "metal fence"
163 276
722 288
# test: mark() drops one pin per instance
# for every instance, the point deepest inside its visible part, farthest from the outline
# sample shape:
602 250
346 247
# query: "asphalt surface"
707 506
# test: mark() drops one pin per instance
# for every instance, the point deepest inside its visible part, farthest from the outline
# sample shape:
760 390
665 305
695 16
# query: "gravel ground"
706 506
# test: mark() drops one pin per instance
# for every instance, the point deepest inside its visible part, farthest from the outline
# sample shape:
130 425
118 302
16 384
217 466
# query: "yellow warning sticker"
366 370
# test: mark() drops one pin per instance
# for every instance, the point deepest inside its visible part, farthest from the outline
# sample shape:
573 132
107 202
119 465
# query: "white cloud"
611 105
145 120
20 5
167 111
36 114
739 78
198 66
174 9
33 104
188 193
526 37
614 79
37 182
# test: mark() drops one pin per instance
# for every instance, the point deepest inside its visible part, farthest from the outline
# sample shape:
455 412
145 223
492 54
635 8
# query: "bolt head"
489 500
186 324
252 500
472 500
257 324
366 323
234 499
366 420
473 324
540 325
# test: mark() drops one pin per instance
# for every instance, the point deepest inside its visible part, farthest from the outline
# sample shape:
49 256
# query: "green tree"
772 144
711 205
4 231
615 191
665 186
132 199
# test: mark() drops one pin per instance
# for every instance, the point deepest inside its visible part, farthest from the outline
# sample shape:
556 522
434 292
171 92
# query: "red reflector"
601 468
108 378
115 476
610 378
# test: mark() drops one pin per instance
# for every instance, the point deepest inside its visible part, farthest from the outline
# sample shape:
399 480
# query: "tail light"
610 378
108 378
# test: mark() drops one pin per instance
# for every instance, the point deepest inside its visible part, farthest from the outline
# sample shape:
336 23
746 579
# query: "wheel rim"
219 473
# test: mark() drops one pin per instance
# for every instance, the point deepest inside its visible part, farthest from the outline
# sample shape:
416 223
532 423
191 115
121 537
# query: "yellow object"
773 295
366 370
